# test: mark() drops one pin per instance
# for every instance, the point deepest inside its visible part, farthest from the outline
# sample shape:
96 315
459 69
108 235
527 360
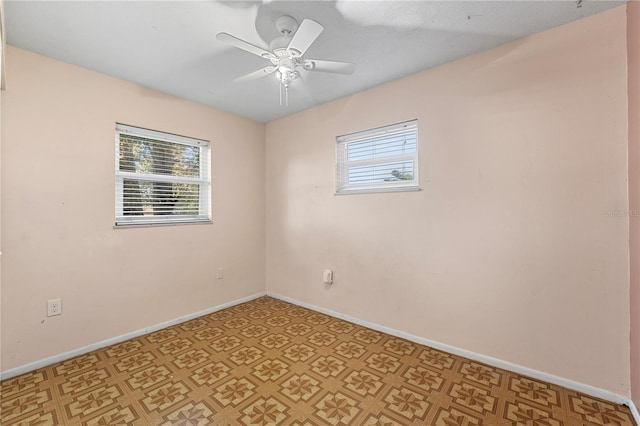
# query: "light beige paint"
2 87
58 136
507 251
633 50
3 44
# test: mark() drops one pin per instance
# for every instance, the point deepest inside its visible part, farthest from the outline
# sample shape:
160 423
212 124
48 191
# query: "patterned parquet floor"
267 362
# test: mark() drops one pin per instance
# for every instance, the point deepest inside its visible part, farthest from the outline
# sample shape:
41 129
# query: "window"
378 160
160 178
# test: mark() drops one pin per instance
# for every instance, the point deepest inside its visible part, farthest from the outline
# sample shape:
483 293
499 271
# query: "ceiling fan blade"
241 44
256 74
329 66
307 32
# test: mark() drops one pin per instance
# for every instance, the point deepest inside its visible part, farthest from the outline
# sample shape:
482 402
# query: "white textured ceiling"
171 46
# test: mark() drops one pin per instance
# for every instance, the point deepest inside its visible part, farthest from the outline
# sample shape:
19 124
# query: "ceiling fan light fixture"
286 65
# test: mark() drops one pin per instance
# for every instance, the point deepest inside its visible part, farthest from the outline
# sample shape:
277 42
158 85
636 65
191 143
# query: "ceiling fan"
286 53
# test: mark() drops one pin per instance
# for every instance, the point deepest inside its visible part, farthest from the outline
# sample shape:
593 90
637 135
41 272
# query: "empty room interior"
320 212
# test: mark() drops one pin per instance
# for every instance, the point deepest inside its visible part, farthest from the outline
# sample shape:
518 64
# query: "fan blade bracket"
328 66
294 53
256 74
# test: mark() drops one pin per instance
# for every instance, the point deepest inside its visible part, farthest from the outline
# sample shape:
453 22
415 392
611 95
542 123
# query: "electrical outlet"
54 307
220 274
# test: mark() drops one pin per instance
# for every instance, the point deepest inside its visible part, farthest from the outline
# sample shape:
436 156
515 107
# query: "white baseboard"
560 381
505 365
634 411
114 340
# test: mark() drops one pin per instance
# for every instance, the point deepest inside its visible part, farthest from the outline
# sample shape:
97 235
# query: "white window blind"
378 160
161 178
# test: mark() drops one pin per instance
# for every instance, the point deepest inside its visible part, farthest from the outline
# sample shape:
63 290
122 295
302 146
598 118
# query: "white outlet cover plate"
54 307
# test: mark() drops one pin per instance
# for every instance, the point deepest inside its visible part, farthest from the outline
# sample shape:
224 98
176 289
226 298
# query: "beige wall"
58 124
3 44
633 48
507 250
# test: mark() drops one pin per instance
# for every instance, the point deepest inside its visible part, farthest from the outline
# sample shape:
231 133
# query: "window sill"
379 190
154 225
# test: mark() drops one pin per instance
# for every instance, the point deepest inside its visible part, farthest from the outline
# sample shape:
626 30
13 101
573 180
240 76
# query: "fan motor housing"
279 45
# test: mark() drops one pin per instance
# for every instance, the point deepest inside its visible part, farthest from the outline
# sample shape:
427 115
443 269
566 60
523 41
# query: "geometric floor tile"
337 408
523 413
408 403
268 362
472 397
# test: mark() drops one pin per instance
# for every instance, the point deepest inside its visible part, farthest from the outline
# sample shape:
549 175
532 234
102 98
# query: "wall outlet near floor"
54 307
220 274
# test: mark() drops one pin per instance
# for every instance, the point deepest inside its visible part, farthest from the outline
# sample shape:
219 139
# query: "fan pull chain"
286 94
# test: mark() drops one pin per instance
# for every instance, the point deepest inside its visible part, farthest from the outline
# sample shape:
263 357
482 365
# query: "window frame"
203 181
343 186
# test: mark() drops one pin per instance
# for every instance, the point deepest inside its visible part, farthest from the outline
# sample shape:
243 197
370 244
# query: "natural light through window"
378 160
161 178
